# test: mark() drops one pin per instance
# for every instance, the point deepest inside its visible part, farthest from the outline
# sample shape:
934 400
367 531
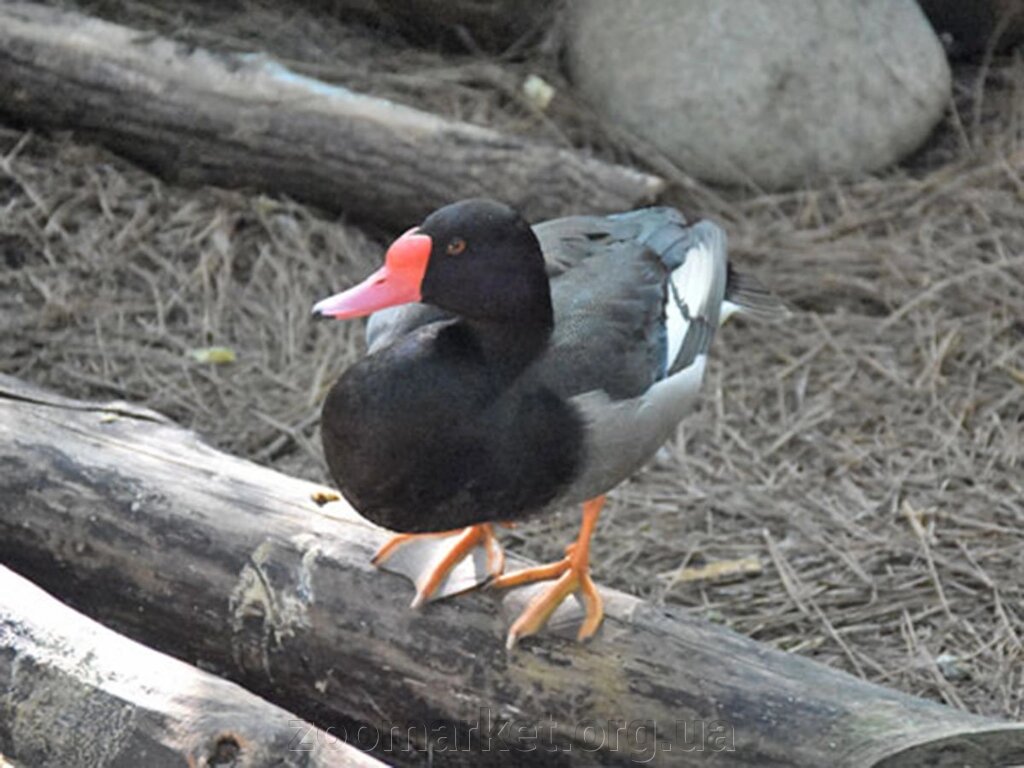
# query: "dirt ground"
864 459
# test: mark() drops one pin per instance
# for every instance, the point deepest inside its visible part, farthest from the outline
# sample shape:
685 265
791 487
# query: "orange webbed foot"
444 564
571 575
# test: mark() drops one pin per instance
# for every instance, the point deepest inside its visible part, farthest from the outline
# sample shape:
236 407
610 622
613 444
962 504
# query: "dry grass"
868 452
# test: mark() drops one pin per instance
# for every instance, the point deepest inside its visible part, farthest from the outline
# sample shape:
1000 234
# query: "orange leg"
430 559
571 574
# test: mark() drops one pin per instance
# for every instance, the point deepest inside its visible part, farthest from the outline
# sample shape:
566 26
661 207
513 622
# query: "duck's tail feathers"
744 294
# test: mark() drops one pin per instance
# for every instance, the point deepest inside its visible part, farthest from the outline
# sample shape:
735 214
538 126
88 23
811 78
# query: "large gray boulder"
773 92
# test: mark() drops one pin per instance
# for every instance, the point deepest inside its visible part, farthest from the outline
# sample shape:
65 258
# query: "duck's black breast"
428 434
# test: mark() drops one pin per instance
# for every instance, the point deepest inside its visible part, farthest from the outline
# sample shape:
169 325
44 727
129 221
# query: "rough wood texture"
198 117
74 693
231 566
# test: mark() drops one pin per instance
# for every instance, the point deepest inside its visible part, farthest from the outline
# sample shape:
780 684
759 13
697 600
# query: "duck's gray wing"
639 301
568 241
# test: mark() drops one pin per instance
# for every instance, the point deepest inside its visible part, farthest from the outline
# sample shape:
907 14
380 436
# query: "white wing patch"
688 295
675 325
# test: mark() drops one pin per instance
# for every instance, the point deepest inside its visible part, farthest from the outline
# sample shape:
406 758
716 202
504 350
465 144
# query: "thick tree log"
73 693
233 567
198 117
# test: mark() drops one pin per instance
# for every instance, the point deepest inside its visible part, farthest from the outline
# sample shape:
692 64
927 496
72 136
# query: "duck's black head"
476 258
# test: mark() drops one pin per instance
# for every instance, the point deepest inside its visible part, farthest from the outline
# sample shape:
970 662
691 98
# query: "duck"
513 370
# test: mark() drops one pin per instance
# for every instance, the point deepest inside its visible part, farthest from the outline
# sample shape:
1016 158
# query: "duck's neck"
509 347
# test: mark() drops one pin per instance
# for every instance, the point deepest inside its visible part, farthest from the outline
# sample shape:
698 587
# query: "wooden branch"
233 567
75 693
202 118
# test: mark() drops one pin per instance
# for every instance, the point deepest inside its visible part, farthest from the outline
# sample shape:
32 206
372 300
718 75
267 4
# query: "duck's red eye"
456 246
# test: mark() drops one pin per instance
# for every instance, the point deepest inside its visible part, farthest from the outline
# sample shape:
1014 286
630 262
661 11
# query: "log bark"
244 121
231 566
74 693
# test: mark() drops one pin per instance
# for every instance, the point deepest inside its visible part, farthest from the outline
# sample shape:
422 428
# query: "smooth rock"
769 92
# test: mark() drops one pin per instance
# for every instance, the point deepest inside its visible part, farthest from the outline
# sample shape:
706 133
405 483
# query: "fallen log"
231 566
199 117
74 693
